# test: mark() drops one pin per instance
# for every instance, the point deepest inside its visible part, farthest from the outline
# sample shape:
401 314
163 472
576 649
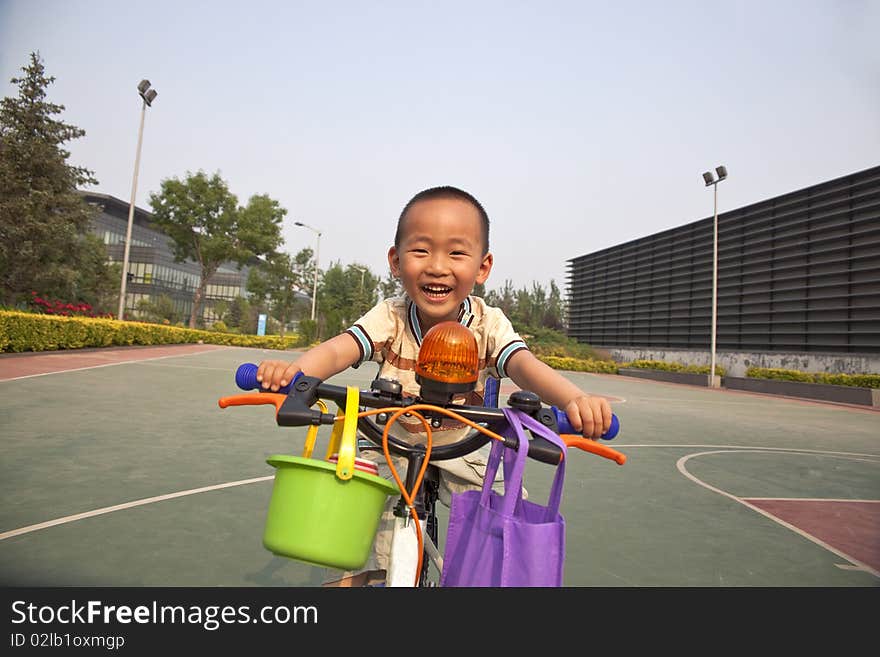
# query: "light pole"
148 96
317 250
362 270
709 179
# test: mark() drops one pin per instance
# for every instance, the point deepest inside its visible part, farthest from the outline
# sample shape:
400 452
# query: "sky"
578 125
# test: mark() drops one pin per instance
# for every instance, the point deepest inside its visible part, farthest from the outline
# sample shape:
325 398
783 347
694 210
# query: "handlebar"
293 405
246 379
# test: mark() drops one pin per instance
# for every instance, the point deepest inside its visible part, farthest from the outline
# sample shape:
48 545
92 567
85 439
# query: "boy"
440 251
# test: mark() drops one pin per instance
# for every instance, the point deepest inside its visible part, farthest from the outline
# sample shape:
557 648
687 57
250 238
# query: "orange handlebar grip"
572 440
253 399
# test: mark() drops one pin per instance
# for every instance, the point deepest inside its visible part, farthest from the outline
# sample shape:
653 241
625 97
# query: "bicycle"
413 553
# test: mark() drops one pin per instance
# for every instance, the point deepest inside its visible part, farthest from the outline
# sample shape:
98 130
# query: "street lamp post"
148 95
317 250
362 270
709 179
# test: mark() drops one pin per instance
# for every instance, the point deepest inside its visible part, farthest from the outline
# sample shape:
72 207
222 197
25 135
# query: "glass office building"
152 269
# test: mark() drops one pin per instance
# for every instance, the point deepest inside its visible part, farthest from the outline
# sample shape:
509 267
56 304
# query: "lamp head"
708 178
143 85
722 172
448 362
150 96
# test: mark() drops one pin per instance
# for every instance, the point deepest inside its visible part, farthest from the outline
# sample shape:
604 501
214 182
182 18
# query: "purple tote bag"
498 539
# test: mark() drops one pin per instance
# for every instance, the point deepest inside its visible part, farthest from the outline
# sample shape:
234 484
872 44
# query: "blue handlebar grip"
246 379
565 426
490 393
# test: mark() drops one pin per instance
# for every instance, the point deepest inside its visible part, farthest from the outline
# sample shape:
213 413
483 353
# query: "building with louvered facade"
798 286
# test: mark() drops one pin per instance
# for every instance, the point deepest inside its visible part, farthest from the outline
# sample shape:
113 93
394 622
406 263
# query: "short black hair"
445 192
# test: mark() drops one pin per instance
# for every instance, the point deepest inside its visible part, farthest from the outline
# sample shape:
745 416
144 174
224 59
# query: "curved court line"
680 465
126 505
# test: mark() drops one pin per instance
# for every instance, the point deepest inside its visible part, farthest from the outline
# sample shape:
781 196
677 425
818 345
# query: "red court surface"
14 366
851 526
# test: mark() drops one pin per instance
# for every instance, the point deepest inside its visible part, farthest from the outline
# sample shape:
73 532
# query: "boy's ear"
394 261
485 268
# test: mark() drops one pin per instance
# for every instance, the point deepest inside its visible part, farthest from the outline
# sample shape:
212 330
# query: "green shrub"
674 367
544 341
580 364
778 374
21 331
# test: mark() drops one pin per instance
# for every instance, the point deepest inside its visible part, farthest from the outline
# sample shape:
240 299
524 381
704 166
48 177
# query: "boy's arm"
587 414
322 361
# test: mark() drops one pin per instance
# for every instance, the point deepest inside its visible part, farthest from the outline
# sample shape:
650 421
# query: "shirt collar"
465 315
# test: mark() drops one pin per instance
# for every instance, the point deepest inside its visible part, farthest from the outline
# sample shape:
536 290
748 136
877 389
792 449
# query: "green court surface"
129 474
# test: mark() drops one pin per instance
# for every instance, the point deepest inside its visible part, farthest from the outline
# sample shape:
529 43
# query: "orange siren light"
448 361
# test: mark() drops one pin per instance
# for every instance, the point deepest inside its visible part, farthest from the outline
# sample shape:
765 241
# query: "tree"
281 280
391 286
160 310
505 299
554 315
344 295
241 316
45 243
207 225
97 281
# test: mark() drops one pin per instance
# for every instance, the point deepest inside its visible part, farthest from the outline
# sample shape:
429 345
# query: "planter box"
821 391
663 375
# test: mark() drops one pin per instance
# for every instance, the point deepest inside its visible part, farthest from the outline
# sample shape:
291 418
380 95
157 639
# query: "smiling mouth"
436 291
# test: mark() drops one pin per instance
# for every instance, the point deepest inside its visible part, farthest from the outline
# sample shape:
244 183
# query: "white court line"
188 367
126 505
812 499
94 367
798 450
680 464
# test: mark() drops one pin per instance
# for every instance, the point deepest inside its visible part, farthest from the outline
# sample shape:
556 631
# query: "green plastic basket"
316 517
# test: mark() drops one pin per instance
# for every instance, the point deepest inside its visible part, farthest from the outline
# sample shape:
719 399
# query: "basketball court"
118 468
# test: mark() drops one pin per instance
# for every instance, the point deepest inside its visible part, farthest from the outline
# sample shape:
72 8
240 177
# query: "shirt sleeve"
503 341
373 330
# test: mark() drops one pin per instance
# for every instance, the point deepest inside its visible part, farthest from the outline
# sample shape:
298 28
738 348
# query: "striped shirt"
390 334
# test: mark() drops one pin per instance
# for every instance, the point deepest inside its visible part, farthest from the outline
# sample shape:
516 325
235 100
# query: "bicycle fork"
404 559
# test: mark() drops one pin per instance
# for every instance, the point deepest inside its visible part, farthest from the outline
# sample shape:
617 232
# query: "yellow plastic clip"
335 435
348 443
312 434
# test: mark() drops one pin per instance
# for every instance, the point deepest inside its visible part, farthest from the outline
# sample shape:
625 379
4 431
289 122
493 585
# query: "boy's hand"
589 415
273 374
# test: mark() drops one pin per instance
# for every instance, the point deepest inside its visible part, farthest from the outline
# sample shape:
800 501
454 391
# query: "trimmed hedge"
857 380
674 367
579 364
35 332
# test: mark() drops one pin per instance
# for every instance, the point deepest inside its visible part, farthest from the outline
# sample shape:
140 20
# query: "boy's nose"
437 265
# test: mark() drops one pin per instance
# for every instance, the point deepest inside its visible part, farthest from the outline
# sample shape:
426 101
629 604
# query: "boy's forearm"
330 357
529 373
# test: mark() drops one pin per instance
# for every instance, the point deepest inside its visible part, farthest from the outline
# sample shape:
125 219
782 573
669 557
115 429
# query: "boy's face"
440 257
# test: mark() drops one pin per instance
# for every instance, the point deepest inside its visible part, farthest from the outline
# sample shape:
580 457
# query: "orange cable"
409 495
